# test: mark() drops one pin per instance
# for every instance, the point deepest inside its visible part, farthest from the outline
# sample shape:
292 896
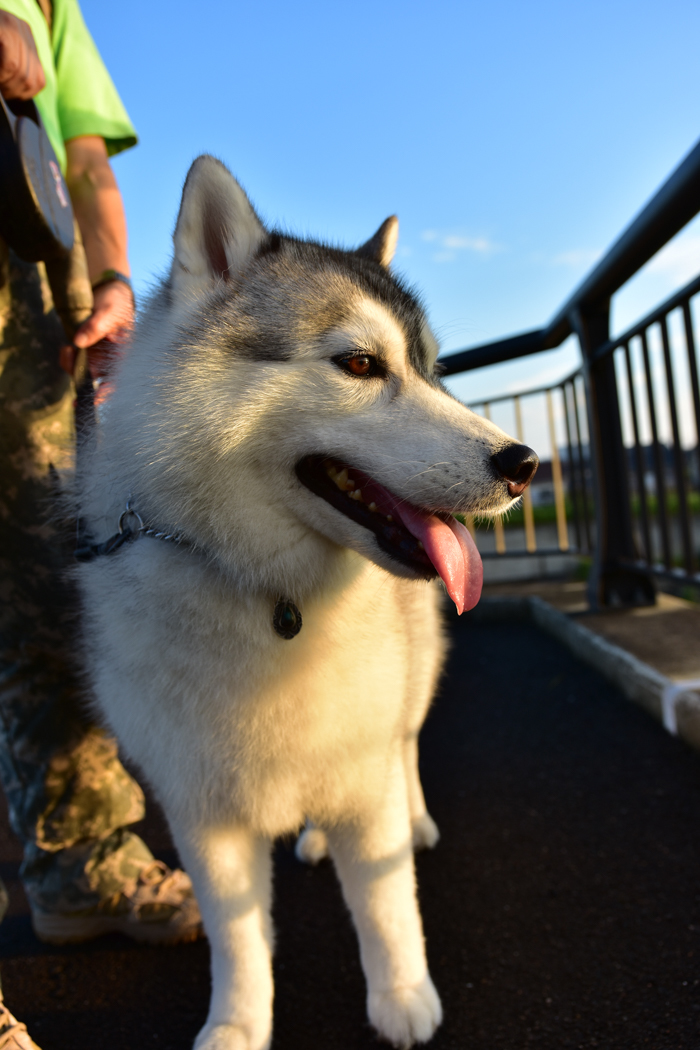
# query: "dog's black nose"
517 464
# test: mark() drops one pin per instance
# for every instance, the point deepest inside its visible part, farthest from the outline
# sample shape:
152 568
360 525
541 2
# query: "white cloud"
474 244
677 262
453 243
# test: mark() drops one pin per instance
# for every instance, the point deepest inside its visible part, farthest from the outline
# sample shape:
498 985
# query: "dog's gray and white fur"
234 377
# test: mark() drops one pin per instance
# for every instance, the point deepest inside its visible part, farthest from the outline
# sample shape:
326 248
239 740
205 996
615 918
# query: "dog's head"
298 397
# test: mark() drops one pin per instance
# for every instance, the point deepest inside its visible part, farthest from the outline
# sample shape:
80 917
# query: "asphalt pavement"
561 906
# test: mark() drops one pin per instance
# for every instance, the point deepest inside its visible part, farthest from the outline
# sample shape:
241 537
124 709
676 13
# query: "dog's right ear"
382 245
217 230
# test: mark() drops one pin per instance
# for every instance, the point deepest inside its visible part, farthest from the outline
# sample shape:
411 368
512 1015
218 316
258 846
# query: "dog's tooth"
356 494
341 478
389 517
373 506
350 485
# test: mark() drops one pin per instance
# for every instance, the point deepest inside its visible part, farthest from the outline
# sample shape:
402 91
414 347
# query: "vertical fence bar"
559 503
638 461
582 468
693 366
616 578
528 514
498 532
661 515
678 465
573 484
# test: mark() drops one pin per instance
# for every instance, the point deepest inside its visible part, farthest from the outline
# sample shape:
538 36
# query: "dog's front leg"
230 870
374 860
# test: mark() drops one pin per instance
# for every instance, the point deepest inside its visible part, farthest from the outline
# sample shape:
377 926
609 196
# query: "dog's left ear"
217 231
382 245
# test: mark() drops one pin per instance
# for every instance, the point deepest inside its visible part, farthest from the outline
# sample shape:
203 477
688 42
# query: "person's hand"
21 72
105 330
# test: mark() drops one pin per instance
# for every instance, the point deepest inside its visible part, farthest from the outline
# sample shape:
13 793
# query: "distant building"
542 486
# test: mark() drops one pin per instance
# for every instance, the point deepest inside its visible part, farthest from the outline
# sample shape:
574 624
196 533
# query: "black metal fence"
624 428
556 514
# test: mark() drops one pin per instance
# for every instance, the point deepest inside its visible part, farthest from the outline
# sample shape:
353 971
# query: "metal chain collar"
286 617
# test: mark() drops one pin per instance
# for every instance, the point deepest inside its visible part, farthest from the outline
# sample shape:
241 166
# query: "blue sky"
514 140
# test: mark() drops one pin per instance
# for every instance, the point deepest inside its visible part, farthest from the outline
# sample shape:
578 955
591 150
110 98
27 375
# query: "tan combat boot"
159 908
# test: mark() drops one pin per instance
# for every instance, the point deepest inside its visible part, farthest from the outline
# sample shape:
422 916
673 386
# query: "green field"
547 515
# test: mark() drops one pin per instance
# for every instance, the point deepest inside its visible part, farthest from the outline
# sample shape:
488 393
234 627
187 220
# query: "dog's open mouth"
430 544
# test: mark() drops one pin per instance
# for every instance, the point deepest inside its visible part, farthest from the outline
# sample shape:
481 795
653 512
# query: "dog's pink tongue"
451 550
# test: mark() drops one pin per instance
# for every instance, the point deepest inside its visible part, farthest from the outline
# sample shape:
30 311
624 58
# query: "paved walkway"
562 905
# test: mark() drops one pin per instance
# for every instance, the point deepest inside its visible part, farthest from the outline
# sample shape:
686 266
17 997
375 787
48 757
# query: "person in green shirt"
70 799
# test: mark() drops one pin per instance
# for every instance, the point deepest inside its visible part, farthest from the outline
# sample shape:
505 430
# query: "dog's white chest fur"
273 732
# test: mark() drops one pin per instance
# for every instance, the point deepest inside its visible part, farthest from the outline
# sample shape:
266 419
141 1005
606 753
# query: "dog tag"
286 619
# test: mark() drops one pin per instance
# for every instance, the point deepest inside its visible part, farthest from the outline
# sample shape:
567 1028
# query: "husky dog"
282 455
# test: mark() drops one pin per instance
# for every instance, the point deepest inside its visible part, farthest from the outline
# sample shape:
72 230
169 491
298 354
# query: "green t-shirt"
79 97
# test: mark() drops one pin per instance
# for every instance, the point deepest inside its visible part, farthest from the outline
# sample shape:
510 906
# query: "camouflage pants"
70 799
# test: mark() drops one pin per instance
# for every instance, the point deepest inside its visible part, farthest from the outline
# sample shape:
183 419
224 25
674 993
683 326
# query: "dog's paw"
312 846
228 1037
405 1016
425 832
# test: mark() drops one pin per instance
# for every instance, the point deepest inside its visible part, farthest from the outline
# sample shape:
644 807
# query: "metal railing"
567 503
662 495
625 427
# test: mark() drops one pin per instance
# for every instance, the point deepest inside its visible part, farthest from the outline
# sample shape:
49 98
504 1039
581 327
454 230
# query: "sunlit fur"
244 736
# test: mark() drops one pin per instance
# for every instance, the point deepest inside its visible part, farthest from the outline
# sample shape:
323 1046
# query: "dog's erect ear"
382 246
217 230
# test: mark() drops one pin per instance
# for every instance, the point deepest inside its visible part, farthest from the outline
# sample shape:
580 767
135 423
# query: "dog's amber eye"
359 364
